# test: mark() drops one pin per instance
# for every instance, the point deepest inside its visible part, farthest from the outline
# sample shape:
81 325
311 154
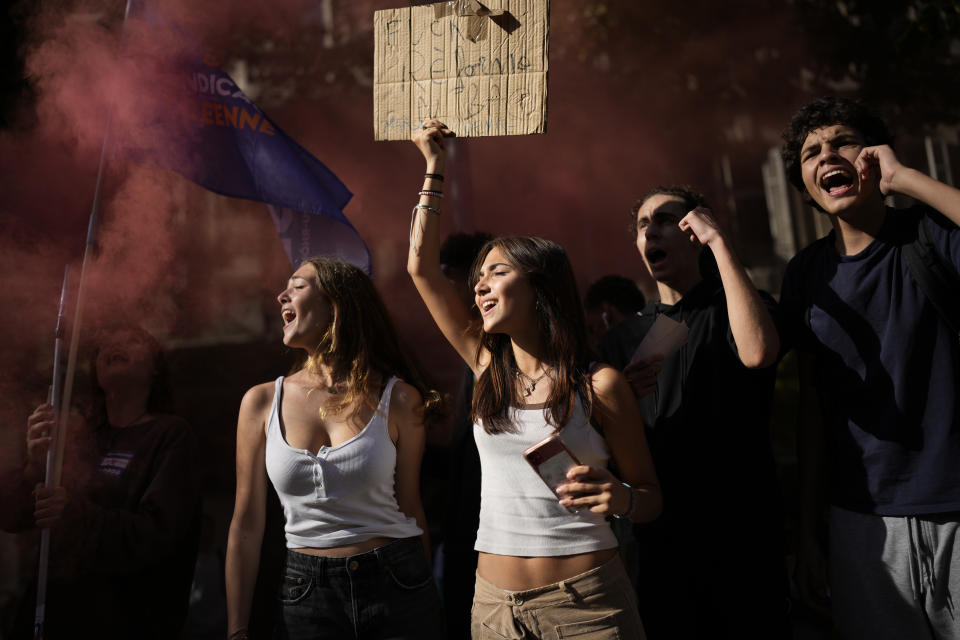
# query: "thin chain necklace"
528 384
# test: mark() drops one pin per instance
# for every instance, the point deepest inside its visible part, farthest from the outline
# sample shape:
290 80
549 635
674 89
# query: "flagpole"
56 390
55 471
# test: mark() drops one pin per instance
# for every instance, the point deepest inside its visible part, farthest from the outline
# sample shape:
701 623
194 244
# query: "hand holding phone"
551 460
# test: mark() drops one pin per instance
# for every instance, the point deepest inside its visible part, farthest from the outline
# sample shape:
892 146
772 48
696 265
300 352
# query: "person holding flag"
126 520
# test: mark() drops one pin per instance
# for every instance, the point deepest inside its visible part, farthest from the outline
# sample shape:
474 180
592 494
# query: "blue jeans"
384 594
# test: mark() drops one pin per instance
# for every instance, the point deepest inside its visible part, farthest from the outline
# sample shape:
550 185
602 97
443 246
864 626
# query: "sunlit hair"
360 346
559 315
706 261
827 112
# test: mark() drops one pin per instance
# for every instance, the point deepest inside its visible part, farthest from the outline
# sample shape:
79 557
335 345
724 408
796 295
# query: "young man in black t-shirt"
712 566
886 368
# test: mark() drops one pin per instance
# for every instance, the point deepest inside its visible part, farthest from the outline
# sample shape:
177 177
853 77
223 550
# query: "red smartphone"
551 459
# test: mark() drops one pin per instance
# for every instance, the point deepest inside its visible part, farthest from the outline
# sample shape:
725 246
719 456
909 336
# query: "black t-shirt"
122 560
887 369
708 420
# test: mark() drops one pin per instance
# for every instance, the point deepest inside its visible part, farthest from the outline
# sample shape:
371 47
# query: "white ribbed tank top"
519 514
340 495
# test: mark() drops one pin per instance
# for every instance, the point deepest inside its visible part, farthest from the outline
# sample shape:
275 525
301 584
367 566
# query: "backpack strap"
937 278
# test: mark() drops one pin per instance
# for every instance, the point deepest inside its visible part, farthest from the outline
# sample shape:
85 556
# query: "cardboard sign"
481 68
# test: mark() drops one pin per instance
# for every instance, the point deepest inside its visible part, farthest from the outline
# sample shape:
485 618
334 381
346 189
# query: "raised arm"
406 424
881 163
423 260
753 330
616 412
249 511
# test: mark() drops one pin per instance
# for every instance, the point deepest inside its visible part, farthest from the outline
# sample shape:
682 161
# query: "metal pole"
55 471
56 390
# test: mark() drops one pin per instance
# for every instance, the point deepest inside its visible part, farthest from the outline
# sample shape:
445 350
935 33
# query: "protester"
713 564
886 368
608 302
461 513
341 440
125 520
544 570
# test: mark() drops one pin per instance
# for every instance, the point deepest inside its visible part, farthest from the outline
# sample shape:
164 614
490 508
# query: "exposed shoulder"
405 400
607 381
257 400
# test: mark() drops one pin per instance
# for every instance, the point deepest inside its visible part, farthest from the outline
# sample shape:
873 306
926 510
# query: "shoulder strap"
937 278
274 415
384 404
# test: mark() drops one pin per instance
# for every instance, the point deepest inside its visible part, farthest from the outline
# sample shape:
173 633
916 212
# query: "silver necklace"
526 388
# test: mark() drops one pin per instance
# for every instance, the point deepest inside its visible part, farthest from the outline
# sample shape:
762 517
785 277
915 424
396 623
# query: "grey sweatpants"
895 577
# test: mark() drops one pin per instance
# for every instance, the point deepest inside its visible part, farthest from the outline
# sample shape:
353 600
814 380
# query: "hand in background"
642 374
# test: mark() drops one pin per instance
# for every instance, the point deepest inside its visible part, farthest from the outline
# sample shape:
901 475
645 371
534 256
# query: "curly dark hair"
827 112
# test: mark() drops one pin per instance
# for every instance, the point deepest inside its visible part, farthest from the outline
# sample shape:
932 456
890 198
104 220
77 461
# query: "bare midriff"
346 550
518 573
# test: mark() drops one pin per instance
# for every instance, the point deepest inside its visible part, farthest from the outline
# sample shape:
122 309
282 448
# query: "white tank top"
340 495
519 514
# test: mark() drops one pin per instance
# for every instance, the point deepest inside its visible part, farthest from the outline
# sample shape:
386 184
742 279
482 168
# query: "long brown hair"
360 344
561 323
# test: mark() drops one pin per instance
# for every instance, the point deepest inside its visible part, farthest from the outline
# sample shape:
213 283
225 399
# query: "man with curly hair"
886 366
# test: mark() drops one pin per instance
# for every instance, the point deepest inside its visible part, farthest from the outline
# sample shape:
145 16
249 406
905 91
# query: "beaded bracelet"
626 514
434 176
430 192
427 207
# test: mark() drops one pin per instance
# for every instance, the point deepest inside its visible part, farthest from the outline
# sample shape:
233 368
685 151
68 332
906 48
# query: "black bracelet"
434 176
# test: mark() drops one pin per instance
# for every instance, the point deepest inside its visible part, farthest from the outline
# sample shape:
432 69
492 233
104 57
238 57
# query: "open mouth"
486 306
289 315
656 257
837 182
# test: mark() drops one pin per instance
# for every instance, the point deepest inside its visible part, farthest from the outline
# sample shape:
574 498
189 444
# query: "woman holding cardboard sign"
548 563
